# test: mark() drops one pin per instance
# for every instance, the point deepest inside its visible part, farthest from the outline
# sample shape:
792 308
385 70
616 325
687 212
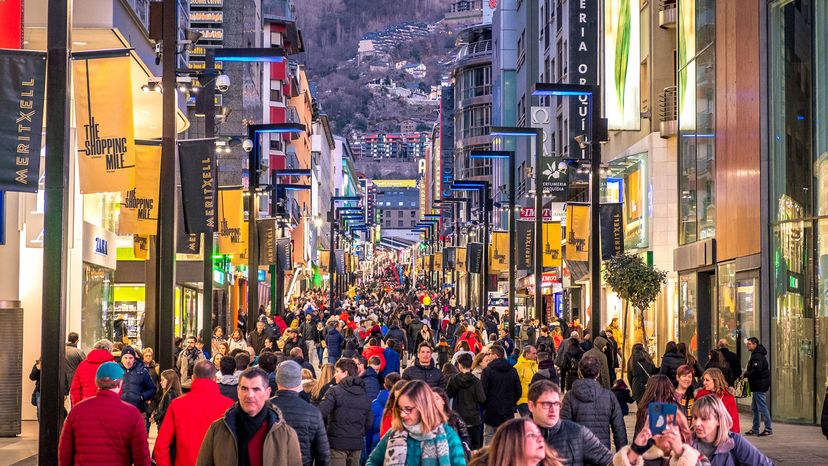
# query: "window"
399 223
275 95
521 50
399 214
413 214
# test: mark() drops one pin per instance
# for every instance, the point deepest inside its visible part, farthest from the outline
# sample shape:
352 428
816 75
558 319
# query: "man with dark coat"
598 352
467 391
302 416
186 362
137 387
297 355
759 377
74 356
293 341
730 358
257 337
501 384
392 358
334 341
595 407
368 376
307 330
348 411
424 368
228 383
398 335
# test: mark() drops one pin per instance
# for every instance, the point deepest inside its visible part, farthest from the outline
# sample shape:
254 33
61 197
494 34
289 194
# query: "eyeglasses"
547 405
406 409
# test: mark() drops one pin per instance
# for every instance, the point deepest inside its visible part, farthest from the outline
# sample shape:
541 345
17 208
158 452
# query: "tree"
637 284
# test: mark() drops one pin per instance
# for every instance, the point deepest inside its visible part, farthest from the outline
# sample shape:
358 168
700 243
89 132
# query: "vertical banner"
196 159
284 254
266 234
525 246
230 218
339 261
22 92
474 257
555 179
185 243
499 252
622 60
240 257
438 261
140 246
139 205
461 260
612 230
577 232
552 244
11 25
324 262
103 116
583 66
450 256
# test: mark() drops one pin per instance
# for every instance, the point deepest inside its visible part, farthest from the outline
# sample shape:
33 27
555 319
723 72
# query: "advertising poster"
577 232
139 205
231 239
622 60
499 252
525 246
474 257
140 246
461 260
612 230
266 234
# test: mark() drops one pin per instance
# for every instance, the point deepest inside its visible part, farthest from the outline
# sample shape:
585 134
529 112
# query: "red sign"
528 213
11 24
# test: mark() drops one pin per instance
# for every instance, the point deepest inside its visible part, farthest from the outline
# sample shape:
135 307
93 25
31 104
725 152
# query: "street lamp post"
467 203
483 188
599 134
277 272
333 219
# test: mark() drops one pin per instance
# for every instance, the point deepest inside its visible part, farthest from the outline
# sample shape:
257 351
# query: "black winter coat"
758 370
546 371
307 421
569 368
639 369
348 410
137 386
372 385
395 333
575 444
732 361
503 389
670 363
334 342
597 409
230 391
467 392
430 375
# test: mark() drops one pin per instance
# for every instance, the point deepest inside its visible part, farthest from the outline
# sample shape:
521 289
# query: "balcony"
481 49
667 14
668 112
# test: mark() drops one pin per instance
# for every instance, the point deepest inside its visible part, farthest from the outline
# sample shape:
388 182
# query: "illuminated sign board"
206 2
206 16
210 34
583 60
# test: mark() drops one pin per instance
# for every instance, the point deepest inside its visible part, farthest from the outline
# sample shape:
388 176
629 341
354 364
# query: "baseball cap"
109 370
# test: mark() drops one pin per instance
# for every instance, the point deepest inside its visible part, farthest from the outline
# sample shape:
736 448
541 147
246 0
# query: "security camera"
222 83
247 145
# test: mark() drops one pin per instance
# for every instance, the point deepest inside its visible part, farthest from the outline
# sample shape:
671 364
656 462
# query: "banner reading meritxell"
106 131
612 230
22 91
198 186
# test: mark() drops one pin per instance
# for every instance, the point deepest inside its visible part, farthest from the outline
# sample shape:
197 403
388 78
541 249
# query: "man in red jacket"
188 418
103 428
83 383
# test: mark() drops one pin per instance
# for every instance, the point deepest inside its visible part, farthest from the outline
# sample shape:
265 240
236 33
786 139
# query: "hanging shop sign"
583 66
206 16
474 257
284 254
103 115
266 234
554 179
139 205
499 252
450 256
438 261
577 232
99 246
230 221
198 184
185 243
461 260
339 261
140 246
612 230
324 262
528 214
22 92
210 33
525 246
552 244
206 2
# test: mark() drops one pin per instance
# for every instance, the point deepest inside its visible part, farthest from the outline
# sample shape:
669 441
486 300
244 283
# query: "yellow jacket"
526 369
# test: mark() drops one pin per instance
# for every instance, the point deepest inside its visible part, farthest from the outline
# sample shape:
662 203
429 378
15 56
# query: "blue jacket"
378 406
392 362
334 341
737 451
372 385
137 387
414 451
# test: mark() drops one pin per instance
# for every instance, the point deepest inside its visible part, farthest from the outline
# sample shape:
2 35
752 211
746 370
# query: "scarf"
246 428
433 445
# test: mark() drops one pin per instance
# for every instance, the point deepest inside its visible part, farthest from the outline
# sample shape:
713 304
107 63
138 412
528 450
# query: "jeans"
759 405
345 457
332 359
488 433
320 351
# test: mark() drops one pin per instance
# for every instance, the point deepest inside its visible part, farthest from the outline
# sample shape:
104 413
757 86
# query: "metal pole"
58 150
538 226
253 210
209 87
280 284
468 271
594 207
331 221
165 265
510 317
484 286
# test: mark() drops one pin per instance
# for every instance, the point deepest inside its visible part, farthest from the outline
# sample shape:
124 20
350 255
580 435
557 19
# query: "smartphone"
661 416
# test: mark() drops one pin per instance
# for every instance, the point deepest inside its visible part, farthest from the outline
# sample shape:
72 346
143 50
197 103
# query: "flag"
198 184
525 246
139 205
577 232
231 240
499 252
552 244
612 229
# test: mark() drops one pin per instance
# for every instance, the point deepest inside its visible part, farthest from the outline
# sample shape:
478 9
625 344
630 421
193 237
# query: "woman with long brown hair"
171 386
660 390
684 390
714 382
517 442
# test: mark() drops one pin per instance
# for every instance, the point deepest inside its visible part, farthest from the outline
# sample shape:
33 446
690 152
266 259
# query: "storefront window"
688 308
129 303
97 299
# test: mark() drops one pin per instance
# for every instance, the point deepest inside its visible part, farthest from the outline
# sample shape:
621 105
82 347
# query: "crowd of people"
379 378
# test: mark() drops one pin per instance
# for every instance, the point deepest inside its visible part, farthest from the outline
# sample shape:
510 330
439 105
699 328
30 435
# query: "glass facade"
97 304
688 308
696 149
798 205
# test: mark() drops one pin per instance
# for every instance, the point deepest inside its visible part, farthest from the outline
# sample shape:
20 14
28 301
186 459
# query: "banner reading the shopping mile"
198 186
577 232
22 92
139 205
103 115
499 252
231 219
140 246
551 244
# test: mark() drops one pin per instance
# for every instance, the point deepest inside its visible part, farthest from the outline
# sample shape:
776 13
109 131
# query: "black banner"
449 258
525 246
22 92
186 243
284 254
474 257
612 230
339 260
583 69
555 179
266 233
198 184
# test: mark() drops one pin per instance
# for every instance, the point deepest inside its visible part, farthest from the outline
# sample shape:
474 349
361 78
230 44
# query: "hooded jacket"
348 411
467 392
228 385
430 374
670 363
83 383
597 409
526 370
758 370
392 362
334 341
396 333
597 352
137 386
307 421
372 385
503 390
281 445
569 368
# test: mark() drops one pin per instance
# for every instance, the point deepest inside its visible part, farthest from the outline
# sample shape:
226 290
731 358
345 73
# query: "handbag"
741 388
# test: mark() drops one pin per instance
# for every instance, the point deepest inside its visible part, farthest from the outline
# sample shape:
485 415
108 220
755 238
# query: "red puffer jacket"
378 351
186 422
83 383
104 430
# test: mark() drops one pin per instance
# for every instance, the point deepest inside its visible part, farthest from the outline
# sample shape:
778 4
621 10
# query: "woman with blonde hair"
419 433
517 442
307 381
714 382
323 383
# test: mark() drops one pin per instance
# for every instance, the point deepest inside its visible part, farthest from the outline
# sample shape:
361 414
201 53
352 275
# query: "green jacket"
412 457
281 446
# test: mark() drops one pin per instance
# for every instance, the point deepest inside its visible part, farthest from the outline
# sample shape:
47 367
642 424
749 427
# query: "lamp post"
483 188
538 266
333 219
599 134
277 274
431 226
467 203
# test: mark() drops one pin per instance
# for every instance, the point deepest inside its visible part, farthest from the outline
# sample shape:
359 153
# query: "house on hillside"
417 70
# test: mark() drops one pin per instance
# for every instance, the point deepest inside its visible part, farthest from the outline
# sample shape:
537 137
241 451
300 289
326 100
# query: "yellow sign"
426 300
140 246
552 244
241 256
139 205
231 239
499 252
438 261
103 116
461 260
577 232
395 183
324 262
